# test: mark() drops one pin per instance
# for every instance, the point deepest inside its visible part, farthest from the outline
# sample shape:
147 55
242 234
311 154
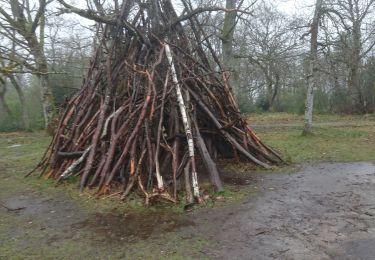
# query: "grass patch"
282 118
342 143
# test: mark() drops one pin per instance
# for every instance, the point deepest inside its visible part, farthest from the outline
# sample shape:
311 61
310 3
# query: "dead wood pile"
154 102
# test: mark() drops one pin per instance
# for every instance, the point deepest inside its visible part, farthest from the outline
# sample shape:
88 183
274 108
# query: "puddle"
132 227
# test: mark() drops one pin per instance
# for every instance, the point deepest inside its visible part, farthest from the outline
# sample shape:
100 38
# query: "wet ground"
323 211
318 211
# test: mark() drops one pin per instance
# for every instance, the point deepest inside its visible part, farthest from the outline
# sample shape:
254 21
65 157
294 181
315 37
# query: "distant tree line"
267 54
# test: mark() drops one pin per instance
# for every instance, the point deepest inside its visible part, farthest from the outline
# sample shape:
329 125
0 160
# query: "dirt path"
323 211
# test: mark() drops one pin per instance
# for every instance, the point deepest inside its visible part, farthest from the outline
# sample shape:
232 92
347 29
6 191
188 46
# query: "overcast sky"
289 7
292 7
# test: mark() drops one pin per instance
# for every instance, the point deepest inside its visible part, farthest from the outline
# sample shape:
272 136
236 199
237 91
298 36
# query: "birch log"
185 120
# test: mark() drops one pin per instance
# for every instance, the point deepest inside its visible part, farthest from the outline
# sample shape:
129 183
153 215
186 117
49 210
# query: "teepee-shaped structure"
153 102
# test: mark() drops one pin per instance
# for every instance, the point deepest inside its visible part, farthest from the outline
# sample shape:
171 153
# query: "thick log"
209 163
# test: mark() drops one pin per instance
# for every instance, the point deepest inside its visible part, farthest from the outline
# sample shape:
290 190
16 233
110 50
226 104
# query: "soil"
323 211
319 211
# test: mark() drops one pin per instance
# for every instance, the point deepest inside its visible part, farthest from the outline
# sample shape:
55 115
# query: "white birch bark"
105 128
311 78
185 119
74 165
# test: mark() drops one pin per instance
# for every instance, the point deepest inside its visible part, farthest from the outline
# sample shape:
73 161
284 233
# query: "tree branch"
207 9
102 19
41 10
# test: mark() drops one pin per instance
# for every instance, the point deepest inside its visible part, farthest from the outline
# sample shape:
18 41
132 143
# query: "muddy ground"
323 211
317 211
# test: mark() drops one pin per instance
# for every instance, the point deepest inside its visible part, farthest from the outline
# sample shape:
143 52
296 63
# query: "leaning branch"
72 168
185 119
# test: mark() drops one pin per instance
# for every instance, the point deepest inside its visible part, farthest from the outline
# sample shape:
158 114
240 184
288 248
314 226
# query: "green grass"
340 138
283 117
19 153
326 144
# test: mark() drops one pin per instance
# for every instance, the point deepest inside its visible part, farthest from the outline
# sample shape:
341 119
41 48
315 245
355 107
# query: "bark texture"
311 79
21 96
4 108
227 45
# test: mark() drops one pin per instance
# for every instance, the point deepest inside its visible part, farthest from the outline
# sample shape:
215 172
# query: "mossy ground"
48 233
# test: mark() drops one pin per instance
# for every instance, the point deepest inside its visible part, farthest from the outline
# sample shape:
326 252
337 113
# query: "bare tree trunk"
354 64
26 26
4 109
45 88
21 96
355 60
334 79
47 100
227 45
311 78
269 83
272 90
355 89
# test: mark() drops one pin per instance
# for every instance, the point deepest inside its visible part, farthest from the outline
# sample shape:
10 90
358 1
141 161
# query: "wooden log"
209 163
70 155
185 120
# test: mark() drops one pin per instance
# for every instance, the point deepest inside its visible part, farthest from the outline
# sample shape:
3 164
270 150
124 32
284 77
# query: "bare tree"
8 65
19 22
356 38
269 43
231 19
